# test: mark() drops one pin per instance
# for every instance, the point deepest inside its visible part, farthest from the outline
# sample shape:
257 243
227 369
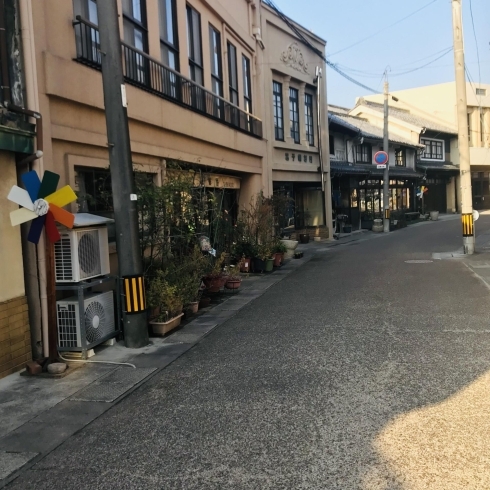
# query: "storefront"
357 192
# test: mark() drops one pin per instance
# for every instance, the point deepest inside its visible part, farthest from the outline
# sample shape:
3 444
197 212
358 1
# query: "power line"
476 42
381 31
423 66
315 49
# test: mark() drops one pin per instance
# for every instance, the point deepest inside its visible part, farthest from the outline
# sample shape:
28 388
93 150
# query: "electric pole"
463 140
125 207
386 177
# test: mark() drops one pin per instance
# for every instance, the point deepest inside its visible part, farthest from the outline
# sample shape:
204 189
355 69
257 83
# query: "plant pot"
161 328
204 303
304 238
434 215
277 260
233 284
259 265
291 246
213 284
193 307
269 265
245 265
348 229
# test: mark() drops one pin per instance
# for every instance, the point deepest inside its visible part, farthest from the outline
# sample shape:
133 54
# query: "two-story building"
357 183
438 103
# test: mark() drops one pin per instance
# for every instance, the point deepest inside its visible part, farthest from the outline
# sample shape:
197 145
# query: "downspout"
30 75
5 86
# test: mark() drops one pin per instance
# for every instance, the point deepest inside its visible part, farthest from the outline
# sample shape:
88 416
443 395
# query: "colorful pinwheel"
42 203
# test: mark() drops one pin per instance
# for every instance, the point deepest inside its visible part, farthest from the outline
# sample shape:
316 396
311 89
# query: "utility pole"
125 208
386 177
463 141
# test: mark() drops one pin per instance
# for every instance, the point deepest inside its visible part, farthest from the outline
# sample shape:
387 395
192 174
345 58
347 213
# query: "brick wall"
15 337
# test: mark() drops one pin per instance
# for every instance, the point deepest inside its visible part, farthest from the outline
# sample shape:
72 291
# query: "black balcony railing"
150 75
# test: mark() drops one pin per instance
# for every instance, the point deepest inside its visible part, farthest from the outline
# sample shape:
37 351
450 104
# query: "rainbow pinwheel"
42 204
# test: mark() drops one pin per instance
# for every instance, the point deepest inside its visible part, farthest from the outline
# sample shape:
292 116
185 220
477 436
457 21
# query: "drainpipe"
30 75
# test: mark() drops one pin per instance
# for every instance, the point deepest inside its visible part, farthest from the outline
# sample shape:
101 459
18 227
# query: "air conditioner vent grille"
62 254
67 325
89 254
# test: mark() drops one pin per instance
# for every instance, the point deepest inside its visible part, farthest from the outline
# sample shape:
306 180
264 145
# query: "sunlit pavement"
358 371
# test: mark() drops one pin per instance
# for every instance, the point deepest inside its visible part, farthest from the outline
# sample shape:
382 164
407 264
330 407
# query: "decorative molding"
293 57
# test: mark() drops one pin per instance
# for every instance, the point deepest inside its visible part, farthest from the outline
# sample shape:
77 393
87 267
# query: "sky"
412 43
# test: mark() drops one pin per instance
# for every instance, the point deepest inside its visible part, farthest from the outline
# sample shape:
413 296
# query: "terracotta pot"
245 265
233 284
193 307
277 260
161 328
213 284
204 303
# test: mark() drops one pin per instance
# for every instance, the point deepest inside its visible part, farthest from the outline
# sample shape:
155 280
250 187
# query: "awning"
347 168
446 167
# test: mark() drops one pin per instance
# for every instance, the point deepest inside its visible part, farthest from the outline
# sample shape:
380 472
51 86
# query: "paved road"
359 371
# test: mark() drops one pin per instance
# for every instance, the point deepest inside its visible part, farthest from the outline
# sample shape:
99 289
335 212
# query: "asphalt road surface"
358 371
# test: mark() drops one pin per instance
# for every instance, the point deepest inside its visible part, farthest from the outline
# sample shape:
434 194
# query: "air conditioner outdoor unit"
82 253
97 317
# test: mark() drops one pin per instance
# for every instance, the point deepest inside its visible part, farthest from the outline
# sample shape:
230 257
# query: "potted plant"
279 250
166 299
233 282
260 261
243 252
214 279
434 215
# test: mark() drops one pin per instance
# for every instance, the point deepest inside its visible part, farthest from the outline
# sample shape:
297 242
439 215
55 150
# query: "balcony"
144 72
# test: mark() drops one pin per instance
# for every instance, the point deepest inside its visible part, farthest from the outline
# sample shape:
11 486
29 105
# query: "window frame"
215 43
247 84
400 152
364 150
141 25
194 65
481 92
165 43
278 110
294 114
233 64
436 142
309 119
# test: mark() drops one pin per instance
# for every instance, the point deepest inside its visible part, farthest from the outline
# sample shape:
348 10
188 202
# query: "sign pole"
386 148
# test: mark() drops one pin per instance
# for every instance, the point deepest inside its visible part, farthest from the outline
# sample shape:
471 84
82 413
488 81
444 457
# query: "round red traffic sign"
381 158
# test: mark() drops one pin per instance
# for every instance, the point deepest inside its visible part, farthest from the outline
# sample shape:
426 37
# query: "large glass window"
278 111
364 153
169 43
310 134
247 85
135 34
434 149
233 74
87 9
294 114
216 64
195 45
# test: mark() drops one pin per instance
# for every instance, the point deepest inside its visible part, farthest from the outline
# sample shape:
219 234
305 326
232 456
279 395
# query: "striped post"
468 225
134 294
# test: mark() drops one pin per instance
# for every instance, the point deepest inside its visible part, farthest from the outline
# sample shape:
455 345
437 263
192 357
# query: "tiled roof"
444 166
337 109
410 118
368 130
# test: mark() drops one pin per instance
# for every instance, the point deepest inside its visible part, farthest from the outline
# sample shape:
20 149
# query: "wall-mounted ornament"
293 57
42 204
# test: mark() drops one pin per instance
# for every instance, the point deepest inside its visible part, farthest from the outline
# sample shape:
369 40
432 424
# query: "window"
331 144
247 85
294 114
169 44
278 111
216 65
400 157
135 34
481 91
233 74
469 127
195 45
364 153
87 9
434 149
310 134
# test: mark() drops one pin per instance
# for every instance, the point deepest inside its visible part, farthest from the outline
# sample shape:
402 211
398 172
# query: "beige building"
17 137
296 126
438 103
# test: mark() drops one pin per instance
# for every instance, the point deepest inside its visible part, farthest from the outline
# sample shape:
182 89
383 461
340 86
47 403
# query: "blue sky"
410 44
